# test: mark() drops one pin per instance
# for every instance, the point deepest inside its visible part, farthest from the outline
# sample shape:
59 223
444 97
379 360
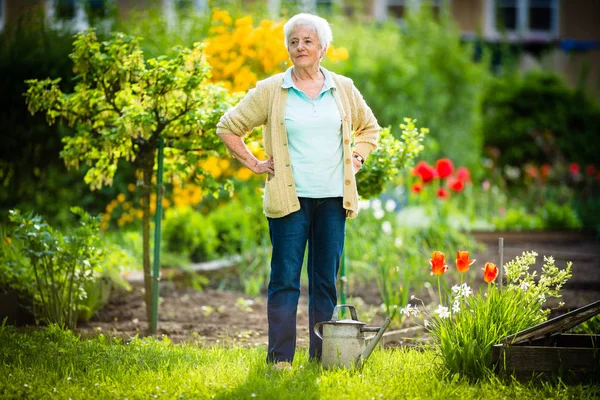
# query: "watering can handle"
316 329
337 309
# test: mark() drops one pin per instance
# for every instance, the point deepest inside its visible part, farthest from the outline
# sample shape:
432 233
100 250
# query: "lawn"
54 364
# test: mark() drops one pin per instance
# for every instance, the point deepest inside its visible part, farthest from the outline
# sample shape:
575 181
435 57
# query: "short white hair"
318 24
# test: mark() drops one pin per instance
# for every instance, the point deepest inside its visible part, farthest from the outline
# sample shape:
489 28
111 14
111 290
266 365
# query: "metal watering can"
344 343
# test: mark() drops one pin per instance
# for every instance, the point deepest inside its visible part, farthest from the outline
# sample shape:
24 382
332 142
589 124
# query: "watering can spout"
374 341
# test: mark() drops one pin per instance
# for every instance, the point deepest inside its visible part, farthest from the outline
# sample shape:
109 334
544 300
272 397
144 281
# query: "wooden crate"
545 351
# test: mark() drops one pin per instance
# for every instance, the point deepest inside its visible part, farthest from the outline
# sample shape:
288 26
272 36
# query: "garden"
134 254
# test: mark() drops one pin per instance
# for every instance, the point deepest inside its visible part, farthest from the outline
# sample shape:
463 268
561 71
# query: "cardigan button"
346 141
348 161
348 181
347 204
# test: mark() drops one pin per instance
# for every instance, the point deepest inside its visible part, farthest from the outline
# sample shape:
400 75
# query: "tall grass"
56 364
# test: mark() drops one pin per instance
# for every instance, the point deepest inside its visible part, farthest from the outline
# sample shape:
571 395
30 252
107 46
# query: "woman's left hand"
356 165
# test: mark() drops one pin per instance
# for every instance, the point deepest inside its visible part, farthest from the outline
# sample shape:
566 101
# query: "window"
506 17
540 15
397 9
522 19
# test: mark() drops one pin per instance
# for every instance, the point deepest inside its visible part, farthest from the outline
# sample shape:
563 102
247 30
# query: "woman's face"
304 47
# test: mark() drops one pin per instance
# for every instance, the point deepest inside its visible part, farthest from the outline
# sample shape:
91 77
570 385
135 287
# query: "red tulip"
490 272
425 171
438 263
444 167
442 193
462 261
463 174
417 187
545 170
574 168
590 169
531 171
456 184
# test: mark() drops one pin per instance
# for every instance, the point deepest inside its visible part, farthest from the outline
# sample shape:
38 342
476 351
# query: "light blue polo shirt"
314 130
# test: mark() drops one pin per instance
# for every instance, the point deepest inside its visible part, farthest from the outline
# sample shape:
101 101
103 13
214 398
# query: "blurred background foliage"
529 143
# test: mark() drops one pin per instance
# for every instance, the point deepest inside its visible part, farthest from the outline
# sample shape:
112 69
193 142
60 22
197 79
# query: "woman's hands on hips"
262 167
356 165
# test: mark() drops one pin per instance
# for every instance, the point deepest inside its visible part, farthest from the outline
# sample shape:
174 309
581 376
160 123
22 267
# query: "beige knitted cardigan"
265 105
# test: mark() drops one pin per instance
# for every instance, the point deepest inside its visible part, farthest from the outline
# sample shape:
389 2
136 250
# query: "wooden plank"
530 359
535 236
556 325
566 340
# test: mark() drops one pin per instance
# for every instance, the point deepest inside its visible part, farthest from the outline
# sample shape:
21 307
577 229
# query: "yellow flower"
131 187
121 198
211 166
222 16
337 54
244 174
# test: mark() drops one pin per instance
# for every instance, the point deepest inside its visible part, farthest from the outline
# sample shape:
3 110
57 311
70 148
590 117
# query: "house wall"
468 14
580 20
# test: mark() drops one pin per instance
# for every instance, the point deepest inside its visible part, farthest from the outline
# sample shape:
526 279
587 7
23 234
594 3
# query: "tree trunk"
147 171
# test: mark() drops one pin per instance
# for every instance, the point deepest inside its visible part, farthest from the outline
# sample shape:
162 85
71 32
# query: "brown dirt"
216 317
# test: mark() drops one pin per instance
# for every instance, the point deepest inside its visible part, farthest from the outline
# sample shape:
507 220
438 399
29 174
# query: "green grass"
53 364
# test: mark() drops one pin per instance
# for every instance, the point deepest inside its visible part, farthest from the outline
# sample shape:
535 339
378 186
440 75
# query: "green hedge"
537 118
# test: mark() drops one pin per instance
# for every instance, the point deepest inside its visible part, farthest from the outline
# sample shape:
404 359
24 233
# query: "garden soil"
213 317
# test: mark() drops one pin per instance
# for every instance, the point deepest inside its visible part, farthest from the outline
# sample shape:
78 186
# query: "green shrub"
240 224
537 118
555 216
62 263
399 71
517 219
190 234
391 157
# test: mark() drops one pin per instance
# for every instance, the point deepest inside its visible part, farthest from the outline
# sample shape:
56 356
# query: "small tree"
123 105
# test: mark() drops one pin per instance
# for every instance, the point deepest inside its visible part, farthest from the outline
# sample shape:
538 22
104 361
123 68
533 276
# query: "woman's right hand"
262 167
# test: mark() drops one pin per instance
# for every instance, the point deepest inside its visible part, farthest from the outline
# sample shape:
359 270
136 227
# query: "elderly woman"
318 131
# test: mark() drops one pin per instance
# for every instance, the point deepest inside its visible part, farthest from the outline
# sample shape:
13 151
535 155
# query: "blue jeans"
321 223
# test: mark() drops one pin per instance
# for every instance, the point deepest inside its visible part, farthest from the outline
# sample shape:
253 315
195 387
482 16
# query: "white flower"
376 204
378 213
386 227
390 205
364 204
466 290
425 323
398 241
412 296
409 310
457 290
442 311
542 298
456 306
461 291
524 286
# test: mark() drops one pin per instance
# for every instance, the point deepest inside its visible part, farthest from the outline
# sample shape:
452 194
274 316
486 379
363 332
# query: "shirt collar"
288 82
